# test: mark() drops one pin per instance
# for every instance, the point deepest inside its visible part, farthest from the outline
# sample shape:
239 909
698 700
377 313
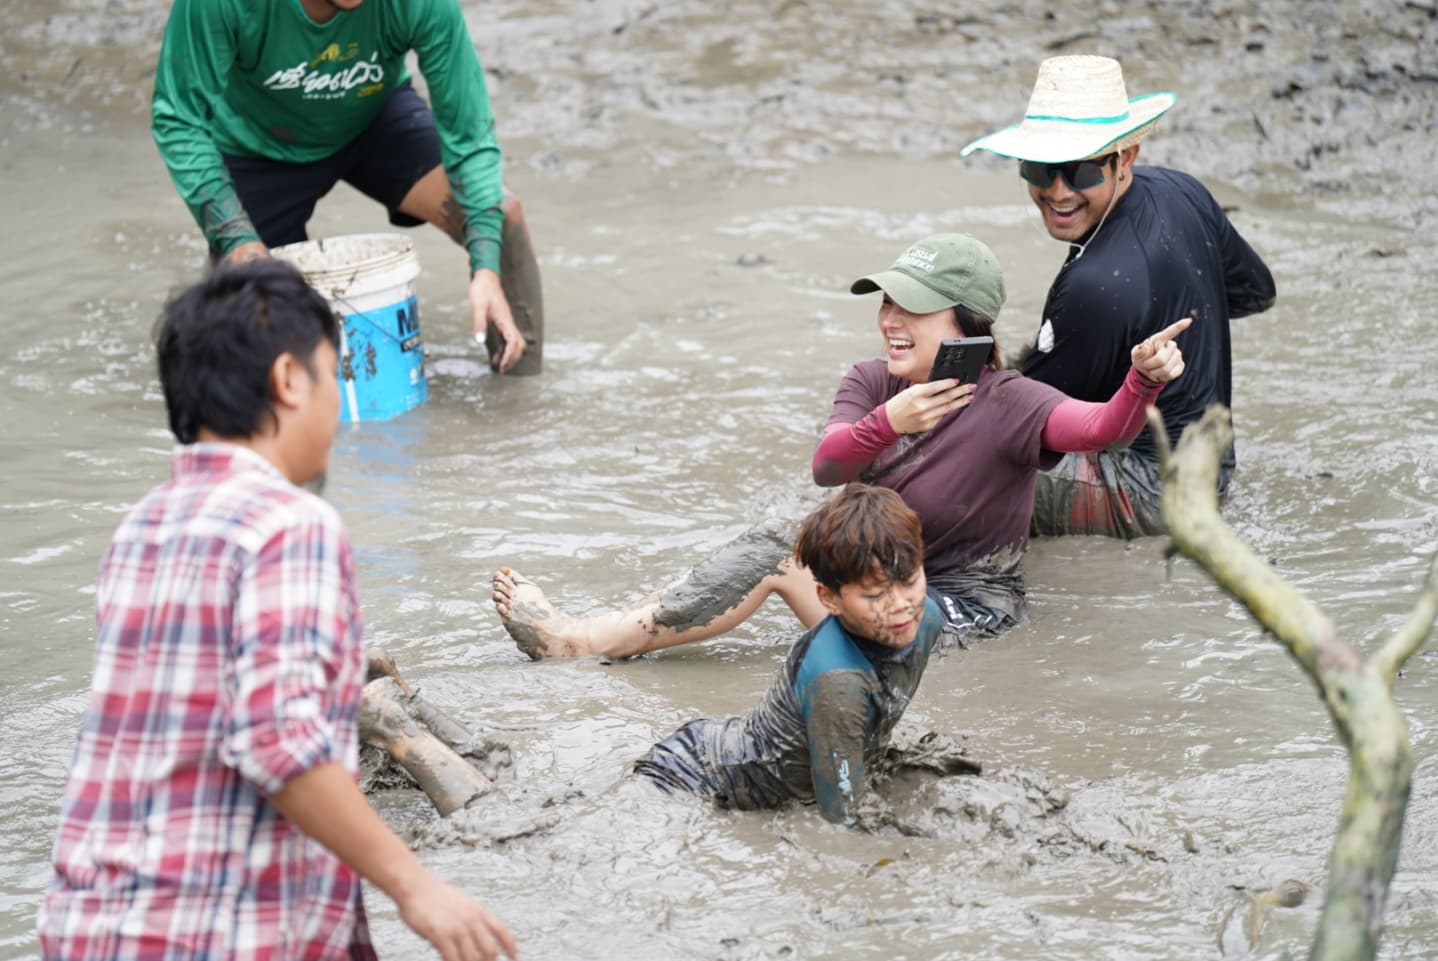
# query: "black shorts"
383 163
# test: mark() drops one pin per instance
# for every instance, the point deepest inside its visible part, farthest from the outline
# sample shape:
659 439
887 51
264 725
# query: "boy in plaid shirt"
211 809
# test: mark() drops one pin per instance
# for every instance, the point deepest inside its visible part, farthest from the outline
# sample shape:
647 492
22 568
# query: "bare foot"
536 626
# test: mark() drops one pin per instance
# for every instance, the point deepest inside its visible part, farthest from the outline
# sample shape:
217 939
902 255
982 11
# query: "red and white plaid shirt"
228 660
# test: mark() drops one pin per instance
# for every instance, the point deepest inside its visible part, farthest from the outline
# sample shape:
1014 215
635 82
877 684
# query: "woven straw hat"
1079 108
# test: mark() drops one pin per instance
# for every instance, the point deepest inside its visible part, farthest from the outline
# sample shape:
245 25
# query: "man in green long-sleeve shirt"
262 106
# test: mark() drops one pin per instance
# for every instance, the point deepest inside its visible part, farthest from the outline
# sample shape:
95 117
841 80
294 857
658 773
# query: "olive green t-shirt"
260 78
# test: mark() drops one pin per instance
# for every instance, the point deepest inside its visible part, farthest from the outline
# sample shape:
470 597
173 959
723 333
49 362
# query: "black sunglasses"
1078 174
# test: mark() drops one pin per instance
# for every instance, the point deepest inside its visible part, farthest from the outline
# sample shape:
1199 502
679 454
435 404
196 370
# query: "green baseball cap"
939 272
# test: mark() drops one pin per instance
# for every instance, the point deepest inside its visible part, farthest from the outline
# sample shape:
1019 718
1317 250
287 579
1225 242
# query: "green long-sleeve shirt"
260 78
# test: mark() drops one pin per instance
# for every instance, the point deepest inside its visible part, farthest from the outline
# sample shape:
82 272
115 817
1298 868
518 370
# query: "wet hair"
217 341
971 323
862 531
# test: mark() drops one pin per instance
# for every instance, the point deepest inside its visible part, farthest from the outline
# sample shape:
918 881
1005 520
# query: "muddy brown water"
703 181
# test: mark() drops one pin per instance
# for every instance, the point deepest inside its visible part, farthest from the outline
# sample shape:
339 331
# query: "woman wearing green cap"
963 456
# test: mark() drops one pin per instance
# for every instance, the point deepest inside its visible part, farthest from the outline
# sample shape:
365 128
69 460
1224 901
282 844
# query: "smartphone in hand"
961 358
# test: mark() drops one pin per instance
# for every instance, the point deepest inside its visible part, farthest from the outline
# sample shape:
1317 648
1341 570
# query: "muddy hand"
920 407
1157 357
244 253
489 306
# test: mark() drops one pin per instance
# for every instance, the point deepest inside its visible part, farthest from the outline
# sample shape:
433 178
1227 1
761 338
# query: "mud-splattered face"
883 611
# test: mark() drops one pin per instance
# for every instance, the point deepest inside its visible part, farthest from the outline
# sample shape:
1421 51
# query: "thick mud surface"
1325 103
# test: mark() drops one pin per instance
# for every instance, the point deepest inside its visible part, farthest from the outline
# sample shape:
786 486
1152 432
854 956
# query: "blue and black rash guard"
823 725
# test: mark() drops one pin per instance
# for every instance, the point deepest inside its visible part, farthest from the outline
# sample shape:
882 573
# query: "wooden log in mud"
444 727
422 740
1358 693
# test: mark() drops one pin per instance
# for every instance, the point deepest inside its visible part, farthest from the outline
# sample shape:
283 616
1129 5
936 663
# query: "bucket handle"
364 315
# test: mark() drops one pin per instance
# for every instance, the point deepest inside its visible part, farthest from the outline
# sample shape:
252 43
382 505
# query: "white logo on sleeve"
1045 343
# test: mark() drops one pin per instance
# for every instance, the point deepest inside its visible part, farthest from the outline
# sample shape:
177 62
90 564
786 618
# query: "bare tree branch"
1190 509
1358 695
1402 645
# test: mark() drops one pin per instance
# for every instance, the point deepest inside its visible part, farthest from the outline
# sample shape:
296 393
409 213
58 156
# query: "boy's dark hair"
216 342
860 532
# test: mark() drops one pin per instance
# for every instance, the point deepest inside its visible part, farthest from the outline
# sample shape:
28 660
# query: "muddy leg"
431 199
519 278
449 780
1111 494
713 598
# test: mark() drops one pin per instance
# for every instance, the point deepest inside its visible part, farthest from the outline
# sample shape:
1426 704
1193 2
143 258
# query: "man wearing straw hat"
261 106
1147 246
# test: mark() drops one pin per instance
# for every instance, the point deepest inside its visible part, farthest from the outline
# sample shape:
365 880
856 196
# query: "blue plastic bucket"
369 281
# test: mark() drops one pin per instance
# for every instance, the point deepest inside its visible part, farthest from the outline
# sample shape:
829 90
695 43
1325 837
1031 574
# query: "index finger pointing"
1170 332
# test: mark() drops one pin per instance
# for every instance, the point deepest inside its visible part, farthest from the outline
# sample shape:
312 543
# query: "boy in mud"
1147 245
211 809
829 715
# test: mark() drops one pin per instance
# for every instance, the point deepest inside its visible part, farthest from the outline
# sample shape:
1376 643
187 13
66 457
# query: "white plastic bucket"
369 281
